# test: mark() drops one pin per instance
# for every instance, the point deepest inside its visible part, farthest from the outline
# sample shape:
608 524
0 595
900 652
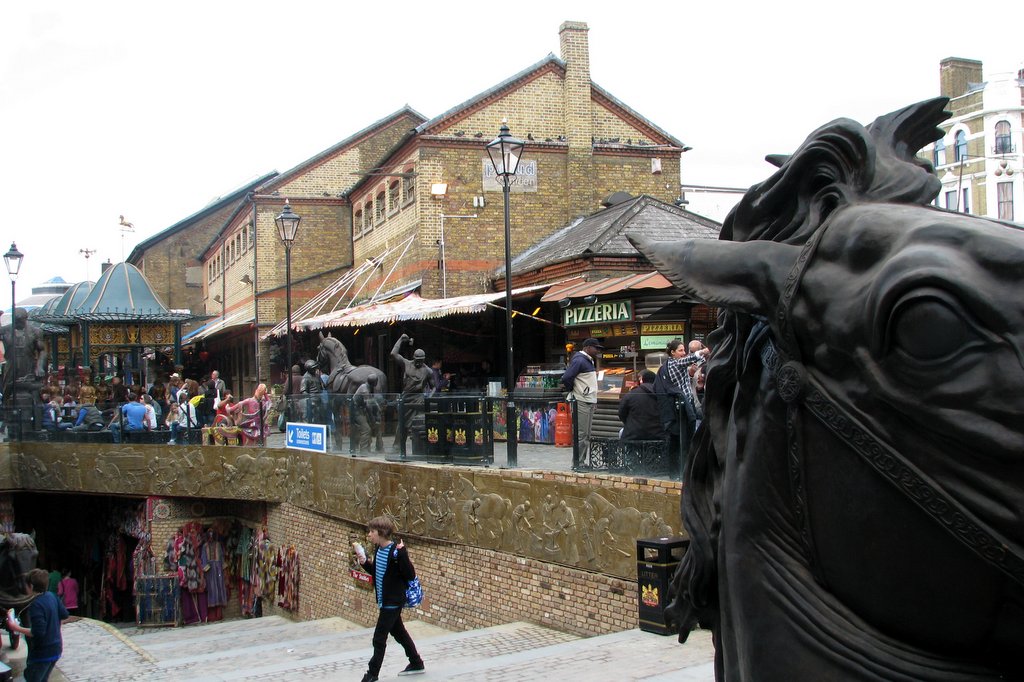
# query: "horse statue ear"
742 276
321 334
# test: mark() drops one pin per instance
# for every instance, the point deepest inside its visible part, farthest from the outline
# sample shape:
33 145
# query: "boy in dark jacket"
45 614
392 570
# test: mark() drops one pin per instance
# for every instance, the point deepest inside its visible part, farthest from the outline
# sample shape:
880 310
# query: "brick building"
979 159
410 204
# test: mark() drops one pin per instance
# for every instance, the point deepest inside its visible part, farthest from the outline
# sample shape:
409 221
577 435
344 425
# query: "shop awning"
579 287
219 325
412 307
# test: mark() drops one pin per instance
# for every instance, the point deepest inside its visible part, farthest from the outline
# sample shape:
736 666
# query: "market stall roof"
220 325
124 294
411 307
579 287
604 233
39 313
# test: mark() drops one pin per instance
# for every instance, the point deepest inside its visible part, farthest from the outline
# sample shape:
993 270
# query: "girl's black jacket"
396 576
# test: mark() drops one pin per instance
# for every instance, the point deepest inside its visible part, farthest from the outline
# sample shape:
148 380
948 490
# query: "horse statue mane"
855 496
17 557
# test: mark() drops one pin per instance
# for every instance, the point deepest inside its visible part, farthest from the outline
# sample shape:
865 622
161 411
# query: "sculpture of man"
28 352
417 379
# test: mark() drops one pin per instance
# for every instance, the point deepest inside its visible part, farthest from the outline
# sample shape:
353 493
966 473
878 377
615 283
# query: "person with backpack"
392 571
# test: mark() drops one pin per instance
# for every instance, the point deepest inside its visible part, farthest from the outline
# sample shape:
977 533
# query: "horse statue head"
855 497
17 557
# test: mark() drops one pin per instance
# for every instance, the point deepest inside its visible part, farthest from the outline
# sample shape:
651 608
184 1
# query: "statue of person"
27 352
366 414
312 387
417 379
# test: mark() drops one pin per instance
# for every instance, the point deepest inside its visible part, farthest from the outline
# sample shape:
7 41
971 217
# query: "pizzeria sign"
606 311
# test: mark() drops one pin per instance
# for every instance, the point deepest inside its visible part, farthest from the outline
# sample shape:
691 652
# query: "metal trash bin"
435 428
656 561
470 432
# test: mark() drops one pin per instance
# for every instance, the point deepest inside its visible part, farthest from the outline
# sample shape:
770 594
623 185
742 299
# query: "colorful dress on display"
213 567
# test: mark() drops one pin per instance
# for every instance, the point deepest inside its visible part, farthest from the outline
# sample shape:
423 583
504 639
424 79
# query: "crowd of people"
176 405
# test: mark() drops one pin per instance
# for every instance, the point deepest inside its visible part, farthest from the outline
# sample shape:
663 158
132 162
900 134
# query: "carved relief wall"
590 522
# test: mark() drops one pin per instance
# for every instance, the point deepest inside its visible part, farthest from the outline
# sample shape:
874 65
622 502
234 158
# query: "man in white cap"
580 380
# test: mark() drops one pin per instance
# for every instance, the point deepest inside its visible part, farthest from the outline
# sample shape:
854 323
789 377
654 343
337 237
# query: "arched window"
1003 145
357 223
939 153
381 208
393 196
368 216
960 145
408 187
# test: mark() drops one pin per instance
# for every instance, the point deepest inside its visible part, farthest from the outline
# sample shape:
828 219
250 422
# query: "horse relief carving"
855 498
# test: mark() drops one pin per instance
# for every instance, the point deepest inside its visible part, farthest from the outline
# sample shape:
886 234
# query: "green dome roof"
123 294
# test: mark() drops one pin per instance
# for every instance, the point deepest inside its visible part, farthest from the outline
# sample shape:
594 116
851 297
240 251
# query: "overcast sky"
151 110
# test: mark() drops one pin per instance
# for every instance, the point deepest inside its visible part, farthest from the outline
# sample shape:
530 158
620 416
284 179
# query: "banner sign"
310 437
677 328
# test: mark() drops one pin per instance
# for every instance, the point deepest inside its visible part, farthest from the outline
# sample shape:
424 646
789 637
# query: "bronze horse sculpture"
855 496
344 377
17 557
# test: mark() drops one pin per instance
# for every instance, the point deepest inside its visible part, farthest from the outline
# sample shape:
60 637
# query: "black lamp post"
287 227
12 259
505 152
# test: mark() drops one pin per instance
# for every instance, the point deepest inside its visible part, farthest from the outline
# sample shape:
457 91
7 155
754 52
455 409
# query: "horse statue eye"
929 329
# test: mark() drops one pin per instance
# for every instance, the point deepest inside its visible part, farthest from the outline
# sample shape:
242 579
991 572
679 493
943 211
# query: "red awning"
579 287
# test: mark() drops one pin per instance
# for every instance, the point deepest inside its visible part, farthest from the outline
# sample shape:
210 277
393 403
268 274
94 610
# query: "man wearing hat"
580 380
417 380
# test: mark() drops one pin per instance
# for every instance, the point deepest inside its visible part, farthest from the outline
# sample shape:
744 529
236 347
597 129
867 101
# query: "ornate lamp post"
12 259
287 227
505 152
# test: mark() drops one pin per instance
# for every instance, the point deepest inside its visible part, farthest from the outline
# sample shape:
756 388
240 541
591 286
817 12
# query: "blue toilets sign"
311 437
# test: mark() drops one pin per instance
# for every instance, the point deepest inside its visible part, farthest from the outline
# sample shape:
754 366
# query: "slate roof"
604 233
123 294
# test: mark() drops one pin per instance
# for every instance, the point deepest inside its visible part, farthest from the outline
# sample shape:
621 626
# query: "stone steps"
336 649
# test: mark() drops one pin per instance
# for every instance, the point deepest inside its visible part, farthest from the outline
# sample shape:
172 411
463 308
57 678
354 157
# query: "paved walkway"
274 648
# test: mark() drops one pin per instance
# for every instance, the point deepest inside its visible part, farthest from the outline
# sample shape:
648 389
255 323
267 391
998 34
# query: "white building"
979 160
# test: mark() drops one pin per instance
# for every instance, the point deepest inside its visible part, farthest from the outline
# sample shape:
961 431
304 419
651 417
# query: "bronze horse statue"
344 377
855 496
17 557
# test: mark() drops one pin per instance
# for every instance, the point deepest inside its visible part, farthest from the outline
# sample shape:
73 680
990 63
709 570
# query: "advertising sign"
525 179
604 312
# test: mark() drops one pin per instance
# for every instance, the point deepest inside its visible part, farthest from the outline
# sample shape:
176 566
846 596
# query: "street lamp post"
287 227
505 152
12 259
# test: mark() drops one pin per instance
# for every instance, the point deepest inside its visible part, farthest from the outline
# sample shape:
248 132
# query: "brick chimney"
579 127
955 75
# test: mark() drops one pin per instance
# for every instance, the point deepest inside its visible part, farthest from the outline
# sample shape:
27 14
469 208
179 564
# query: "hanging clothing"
212 558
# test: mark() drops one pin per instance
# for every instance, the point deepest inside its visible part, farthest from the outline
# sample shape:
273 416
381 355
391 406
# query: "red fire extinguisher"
563 426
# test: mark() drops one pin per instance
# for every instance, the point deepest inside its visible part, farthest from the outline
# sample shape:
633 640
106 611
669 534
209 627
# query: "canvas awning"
219 325
580 287
412 307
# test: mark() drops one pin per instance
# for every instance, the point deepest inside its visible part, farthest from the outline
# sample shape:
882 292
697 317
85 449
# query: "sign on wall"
525 179
310 437
606 311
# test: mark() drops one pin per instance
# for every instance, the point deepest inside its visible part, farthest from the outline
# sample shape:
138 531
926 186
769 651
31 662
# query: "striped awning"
580 287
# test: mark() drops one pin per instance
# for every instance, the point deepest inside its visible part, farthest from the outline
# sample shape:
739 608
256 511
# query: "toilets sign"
310 437
606 311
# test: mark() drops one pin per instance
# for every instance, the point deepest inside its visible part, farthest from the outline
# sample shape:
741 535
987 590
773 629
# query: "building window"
1003 145
380 208
408 188
961 146
965 205
367 217
357 223
238 245
252 236
1004 193
393 196
939 154
245 238
951 200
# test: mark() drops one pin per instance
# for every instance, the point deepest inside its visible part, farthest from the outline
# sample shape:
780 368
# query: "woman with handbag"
392 571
